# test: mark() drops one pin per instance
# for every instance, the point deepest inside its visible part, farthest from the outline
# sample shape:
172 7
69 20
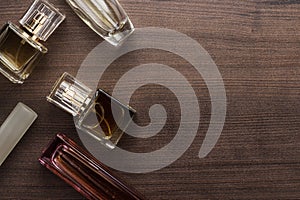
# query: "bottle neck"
30 34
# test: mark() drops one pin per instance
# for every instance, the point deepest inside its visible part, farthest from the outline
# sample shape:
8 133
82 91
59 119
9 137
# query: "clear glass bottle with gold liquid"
20 49
96 113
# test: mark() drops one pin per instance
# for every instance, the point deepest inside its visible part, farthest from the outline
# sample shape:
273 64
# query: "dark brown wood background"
256 45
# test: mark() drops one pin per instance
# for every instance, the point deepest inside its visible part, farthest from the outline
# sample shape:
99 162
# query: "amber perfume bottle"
96 113
83 172
20 49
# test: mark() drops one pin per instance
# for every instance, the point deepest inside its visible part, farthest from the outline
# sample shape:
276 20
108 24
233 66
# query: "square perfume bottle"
20 49
96 113
106 17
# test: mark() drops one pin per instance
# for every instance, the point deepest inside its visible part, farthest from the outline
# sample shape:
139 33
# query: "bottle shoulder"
9 26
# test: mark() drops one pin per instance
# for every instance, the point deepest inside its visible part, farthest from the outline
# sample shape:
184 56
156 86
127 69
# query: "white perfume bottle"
14 127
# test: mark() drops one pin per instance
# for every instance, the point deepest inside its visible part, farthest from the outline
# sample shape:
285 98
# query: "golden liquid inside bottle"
107 117
18 53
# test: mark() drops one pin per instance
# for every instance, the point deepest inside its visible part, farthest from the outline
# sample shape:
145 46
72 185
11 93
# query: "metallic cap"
41 19
70 94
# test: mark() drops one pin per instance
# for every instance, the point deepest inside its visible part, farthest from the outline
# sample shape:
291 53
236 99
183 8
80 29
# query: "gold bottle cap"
41 19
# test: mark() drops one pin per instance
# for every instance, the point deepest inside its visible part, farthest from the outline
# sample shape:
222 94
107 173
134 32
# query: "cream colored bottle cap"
14 127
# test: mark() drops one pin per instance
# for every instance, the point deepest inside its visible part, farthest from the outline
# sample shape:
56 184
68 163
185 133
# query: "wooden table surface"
256 46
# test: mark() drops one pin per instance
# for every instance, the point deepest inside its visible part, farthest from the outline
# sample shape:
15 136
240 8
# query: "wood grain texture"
256 45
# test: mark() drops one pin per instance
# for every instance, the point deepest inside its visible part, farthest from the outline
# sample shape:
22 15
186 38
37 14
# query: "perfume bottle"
83 172
96 113
20 49
106 17
14 127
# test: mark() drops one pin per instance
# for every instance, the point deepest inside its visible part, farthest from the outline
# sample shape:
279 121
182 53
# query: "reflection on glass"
96 113
19 47
83 172
106 17
18 53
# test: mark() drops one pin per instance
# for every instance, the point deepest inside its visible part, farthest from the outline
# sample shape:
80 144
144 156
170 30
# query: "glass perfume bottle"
14 127
20 49
96 113
83 172
106 17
